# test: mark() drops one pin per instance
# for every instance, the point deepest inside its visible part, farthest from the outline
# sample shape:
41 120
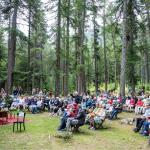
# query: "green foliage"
42 43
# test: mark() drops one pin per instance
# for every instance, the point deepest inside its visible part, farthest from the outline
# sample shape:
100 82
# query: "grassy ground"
41 134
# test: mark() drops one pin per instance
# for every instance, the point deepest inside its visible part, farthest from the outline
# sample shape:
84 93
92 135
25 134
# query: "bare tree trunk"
146 64
66 78
29 45
41 68
130 45
64 59
88 70
115 57
147 50
81 74
12 49
95 45
105 53
124 49
58 48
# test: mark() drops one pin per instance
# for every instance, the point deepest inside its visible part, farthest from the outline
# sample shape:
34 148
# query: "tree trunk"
81 74
66 78
124 49
115 57
29 41
12 49
105 53
58 50
131 51
64 59
41 67
146 64
95 46
147 50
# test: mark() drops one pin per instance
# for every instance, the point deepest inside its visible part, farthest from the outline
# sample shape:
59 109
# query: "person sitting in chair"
143 121
78 120
91 113
98 117
116 109
70 112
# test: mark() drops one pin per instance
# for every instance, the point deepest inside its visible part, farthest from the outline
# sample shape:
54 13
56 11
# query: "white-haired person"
98 116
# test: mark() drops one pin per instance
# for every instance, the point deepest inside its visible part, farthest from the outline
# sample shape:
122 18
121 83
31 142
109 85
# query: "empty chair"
20 121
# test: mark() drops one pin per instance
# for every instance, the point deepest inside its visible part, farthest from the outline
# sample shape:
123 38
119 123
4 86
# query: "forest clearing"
74 74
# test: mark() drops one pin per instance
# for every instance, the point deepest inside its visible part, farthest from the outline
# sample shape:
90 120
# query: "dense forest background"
67 45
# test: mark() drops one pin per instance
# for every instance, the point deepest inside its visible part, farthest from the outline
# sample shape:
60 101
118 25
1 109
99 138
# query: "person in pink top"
132 104
126 105
119 99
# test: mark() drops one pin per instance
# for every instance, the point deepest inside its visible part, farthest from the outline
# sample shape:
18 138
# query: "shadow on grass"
105 128
81 132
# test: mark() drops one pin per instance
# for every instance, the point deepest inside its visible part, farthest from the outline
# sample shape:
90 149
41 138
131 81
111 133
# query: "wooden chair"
20 121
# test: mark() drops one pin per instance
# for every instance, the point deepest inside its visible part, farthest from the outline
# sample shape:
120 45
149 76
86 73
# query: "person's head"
79 106
100 105
97 105
104 106
75 93
20 107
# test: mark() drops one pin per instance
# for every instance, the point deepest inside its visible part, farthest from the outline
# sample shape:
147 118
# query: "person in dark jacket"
117 108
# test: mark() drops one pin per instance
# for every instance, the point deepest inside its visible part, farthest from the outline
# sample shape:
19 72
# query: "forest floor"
41 134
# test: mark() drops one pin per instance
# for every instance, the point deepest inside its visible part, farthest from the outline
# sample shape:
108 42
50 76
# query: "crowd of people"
76 110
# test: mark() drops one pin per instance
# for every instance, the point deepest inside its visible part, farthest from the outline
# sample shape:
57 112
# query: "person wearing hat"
143 121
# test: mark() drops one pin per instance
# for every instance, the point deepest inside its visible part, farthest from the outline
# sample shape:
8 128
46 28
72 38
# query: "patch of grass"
41 134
